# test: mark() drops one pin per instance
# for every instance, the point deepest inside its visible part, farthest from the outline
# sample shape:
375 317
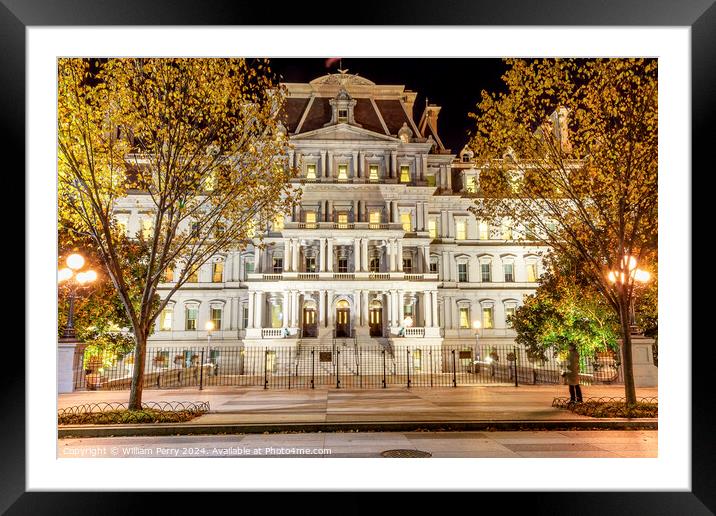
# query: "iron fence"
343 364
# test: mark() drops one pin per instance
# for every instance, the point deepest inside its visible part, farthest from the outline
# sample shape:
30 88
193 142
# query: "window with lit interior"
404 173
343 172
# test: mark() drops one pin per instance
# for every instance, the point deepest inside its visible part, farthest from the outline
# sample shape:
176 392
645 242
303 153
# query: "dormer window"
343 115
465 158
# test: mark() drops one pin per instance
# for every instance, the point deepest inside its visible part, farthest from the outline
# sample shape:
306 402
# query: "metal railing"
345 363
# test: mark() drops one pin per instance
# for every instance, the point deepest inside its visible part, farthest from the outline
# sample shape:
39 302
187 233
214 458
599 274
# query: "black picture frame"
17 15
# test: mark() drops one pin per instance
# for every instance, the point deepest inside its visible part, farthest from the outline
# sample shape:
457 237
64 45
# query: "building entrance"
343 319
310 323
375 318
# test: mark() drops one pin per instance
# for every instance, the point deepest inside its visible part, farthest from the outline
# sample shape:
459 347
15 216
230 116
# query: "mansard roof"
381 109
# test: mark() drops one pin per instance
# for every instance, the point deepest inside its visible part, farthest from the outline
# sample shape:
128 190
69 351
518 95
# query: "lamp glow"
64 274
642 276
209 325
476 325
75 261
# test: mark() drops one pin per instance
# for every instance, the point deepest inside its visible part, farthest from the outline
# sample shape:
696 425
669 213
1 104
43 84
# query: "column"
448 177
419 216
364 255
395 217
358 313
356 171
445 265
329 211
427 309
252 307
322 255
424 166
356 254
329 311
400 307
324 171
453 267
399 257
355 210
388 215
434 306
329 254
426 216
257 259
296 249
393 163
426 258
329 165
258 312
321 308
295 305
285 309
364 307
287 255
391 254
388 304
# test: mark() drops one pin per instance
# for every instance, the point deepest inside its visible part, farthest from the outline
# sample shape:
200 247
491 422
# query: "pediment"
344 132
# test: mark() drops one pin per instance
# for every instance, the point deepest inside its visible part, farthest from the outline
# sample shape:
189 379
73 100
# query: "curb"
163 429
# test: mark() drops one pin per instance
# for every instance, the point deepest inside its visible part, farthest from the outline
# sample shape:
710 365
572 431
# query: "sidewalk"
386 408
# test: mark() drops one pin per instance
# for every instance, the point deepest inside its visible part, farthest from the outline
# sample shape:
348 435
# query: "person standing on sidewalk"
572 375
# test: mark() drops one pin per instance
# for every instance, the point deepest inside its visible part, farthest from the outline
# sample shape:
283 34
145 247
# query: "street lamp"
74 280
476 326
629 270
209 327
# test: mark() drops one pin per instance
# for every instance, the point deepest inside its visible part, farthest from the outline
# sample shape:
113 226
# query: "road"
583 444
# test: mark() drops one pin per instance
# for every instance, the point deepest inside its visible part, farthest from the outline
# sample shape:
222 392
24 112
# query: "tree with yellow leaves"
569 152
201 138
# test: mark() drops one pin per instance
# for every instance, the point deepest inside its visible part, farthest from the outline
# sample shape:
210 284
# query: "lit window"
486 272
165 320
278 265
487 317
431 180
375 265
509 270
310 219
168 274
509 313
343 172
460 229
310 171
276 314
471 184
373 173
310 264
374 218
193 276
406 221
191 315
506 232
462 272
147 228
343 220
532 272
217 272
433 228
278 223
216 318
404 173
464 317
417 359
484 230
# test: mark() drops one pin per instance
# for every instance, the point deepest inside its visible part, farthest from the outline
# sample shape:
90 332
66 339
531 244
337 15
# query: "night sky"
453 83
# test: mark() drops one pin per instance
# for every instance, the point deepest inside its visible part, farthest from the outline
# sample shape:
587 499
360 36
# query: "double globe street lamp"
74 280
629 272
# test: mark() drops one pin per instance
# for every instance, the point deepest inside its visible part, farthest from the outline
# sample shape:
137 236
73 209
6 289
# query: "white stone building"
382 239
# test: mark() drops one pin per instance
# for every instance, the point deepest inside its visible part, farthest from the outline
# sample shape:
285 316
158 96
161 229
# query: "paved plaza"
479 403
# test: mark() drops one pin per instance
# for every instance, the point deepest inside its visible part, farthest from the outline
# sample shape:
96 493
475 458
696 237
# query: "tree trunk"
140 352
629 388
